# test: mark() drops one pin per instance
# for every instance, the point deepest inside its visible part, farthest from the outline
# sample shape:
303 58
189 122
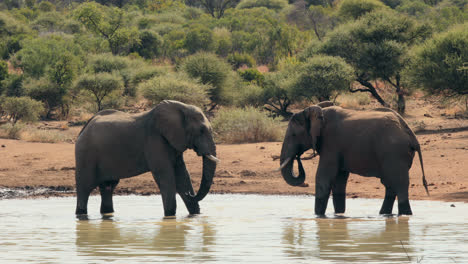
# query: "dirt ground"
43 169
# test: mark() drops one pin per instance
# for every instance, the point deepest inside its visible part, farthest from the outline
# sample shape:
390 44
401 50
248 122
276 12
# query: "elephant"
114 145
376 143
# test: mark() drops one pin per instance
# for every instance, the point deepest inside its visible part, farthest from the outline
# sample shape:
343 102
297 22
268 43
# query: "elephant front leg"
326 174
165 180
184 186
107 189
339 192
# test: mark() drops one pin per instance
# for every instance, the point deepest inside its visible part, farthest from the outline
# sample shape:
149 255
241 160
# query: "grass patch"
353 100
235 125
11 131
45 136
32 134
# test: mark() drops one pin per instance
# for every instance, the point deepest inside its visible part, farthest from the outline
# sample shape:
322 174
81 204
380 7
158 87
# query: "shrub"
357 8
222 41
198 38
322 75
252 75
238 60
248 95
11 131
13 85
107 62
234 125
52 95
440 66
210 70
22 108
100 85
270 4
175 86
149 46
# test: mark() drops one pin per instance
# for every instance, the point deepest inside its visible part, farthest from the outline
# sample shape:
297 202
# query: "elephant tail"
418 149
414 141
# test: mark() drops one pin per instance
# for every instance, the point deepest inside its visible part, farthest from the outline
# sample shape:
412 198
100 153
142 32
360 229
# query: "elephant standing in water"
375 143
114 145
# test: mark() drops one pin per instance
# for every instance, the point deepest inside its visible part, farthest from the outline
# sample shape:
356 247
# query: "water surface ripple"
232 229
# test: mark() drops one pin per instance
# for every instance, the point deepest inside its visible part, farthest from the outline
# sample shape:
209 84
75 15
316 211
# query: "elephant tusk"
212 158
284 164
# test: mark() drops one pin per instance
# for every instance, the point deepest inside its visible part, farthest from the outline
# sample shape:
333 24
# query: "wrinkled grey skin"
114 145
375 143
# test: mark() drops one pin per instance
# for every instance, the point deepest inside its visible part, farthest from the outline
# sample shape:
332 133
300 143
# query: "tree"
377 47
100 85
276 5
198 38
149 46
315 17
277 93
322 75
215 8
440 65
21 108
210 70
3 74
175 86
356 8
110 23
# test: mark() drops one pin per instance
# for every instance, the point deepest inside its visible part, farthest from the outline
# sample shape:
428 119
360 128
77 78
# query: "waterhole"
231 229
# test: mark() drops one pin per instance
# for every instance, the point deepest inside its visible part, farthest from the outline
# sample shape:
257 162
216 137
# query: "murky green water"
232 229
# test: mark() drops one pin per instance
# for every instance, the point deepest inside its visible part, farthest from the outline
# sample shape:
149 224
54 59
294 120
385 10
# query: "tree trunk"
371 89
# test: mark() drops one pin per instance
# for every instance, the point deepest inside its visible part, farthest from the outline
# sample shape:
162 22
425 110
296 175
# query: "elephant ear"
314 115
170 122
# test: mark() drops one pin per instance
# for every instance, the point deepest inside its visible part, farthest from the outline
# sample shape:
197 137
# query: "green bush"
149 46
238 60
22 108
322 75
270 4
252 75
210 70
234 125
106 62
357 8
11 131
440 65
199 38
13 85
100 85
52 95
175 86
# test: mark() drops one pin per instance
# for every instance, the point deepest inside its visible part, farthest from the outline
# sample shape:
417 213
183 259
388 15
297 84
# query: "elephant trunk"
288 173
209 168
288 154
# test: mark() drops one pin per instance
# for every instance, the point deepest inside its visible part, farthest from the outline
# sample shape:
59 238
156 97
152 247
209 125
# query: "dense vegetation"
58 58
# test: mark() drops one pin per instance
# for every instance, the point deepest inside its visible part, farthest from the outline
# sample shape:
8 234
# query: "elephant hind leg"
387 205
397 179
107 189
339 192
82 195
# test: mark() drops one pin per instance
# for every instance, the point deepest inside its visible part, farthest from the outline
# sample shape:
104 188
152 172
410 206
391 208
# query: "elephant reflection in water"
349 240
171 238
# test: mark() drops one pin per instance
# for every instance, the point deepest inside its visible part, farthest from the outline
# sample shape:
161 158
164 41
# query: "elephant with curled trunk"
375 143
114 145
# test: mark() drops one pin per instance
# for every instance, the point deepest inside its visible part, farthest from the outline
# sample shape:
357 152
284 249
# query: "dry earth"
42 169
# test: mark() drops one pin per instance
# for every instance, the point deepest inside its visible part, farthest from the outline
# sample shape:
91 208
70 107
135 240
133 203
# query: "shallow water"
232 229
